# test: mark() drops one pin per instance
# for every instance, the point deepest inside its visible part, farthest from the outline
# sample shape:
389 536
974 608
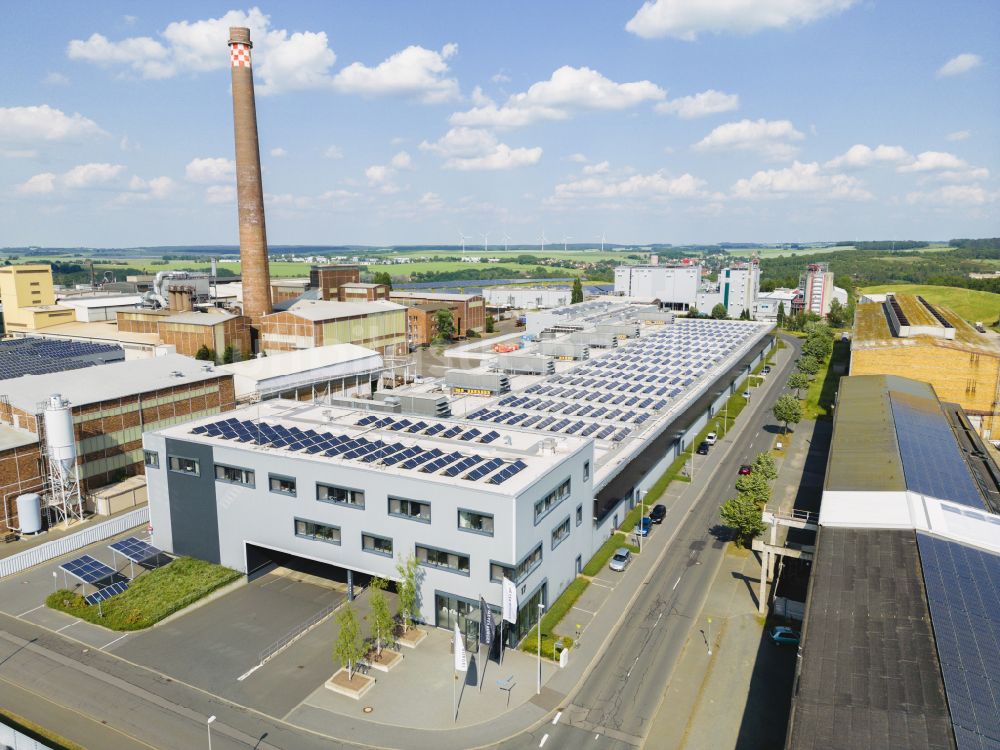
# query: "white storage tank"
59 437
29 512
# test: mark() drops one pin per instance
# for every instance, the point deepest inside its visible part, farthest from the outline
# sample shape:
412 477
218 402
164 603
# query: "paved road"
83 692
617 702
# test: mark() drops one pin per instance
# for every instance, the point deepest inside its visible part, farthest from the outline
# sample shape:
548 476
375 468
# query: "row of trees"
351 647
743 512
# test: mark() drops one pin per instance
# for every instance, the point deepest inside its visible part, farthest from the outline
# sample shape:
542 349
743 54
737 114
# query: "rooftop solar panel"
589 429
545 423
473 433
85 568
451 432
466 463
439 463
605 432
421 458
508 471
434 429
102 595
403 423
402 455
416 427
489 437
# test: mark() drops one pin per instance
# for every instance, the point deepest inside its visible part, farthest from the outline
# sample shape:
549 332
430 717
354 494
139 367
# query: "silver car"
620 560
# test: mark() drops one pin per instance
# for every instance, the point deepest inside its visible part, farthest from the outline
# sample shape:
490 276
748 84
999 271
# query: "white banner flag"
509 601
461 660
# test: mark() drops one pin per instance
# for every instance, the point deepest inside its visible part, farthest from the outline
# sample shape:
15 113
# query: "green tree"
230 355
577 294
765 466
382 277
798 381
693 312
837 316
489 324
781 314
817 346
742 514
383 623
808 364
788 410
719 312
754 486
349 648
406 590
445 324
204 354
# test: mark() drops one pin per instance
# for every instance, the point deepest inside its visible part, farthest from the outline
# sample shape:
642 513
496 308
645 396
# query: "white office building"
737 290
769 303
675 286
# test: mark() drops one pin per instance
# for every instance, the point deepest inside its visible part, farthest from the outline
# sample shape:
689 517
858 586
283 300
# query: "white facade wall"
672 285
527 298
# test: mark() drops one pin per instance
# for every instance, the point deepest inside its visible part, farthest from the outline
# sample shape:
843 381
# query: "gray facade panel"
194 518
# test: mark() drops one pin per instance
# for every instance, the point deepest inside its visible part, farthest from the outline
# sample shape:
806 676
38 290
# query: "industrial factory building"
902 625
112 406
908 336
375 325
467 310
527 297
680 286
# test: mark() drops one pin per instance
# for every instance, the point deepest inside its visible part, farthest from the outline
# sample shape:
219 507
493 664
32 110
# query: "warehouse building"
902 625
375 325
468 310
527 297
908 336
358 491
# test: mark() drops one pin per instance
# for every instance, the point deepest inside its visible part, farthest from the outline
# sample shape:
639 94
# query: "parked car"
657 514
711 438
766 370
745 469
703 447
620 560
785 636
644 526
746 394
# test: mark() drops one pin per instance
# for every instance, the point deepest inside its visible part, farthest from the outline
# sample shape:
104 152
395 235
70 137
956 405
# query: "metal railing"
294 634
72 542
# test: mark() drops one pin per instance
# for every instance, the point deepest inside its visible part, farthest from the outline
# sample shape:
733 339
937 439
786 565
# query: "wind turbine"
486 242
543 240
566 238
463 237
602 242
506 239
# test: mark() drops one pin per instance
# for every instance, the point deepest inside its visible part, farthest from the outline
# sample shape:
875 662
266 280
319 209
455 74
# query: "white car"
711 438
620 560
746 394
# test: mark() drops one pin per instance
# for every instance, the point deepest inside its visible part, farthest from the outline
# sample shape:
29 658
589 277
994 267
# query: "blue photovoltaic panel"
466 463
416 427
439 463
451 432
85 568
473 433
963 592
434 429
508 471
932 462
106 593
402 455
489 437
483 469
134 549
421 458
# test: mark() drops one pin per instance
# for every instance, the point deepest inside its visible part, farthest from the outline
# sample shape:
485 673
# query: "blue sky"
398 122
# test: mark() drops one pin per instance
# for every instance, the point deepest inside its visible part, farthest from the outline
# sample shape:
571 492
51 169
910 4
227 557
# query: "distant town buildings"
468 310
680 286
816 285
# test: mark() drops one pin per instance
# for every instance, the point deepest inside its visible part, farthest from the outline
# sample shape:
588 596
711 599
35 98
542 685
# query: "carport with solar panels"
611 397
381 448
106 580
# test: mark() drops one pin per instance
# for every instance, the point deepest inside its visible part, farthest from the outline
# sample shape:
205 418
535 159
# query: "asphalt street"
86 693
617 701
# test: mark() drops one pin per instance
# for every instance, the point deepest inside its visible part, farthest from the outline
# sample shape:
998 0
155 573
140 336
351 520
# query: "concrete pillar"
350 585
762 593
249 188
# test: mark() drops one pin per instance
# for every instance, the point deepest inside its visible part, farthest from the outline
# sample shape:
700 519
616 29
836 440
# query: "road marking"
114 641
584 610
555 720
602 585
675 583
67 626
629 673
544 740
248 673
596 736
30 611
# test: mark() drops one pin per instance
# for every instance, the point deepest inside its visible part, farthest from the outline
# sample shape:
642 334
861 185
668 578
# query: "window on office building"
579 514
184 465
586 470
412 509
481 523
327 493
377 545
439 558
318 531
560 532
498 572
282 485
531 561
544 506
234 475
151 459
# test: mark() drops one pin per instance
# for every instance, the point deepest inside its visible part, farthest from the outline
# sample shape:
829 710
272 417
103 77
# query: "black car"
703 448
657 513
766 370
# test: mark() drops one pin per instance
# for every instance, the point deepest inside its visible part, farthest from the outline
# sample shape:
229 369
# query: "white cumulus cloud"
599 168
402 160
968 196
88 175
657 184
413 71
860 155
929 161
959 64
800 178
686 19
218 194
773 138
567 90
38 185
210 169
334 152
278 152
471 149
959 135
706 103
44 123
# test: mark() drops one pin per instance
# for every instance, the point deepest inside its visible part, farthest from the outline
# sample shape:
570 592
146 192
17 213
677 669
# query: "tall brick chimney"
249 188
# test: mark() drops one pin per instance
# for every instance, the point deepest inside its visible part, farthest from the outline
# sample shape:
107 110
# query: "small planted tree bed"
411 638
354 687
384 662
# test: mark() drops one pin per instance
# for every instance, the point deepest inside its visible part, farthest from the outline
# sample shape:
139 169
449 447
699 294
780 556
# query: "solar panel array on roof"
932 462
644 376
963 591
103 594
37 356
85 568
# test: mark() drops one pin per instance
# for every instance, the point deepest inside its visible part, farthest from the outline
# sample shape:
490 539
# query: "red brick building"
468 310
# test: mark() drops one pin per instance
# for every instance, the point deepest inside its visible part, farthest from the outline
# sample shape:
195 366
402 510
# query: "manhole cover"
368 709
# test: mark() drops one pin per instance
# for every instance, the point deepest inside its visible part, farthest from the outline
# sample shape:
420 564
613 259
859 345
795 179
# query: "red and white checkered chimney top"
239 46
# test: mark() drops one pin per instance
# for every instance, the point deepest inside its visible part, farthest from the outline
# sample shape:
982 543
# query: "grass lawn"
970 304
151 597
552 617
823 388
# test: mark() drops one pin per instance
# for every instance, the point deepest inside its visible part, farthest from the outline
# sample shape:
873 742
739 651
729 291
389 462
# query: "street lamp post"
541 609
208 724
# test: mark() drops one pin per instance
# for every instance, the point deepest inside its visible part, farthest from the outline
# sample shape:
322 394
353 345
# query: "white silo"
29 513
59 439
